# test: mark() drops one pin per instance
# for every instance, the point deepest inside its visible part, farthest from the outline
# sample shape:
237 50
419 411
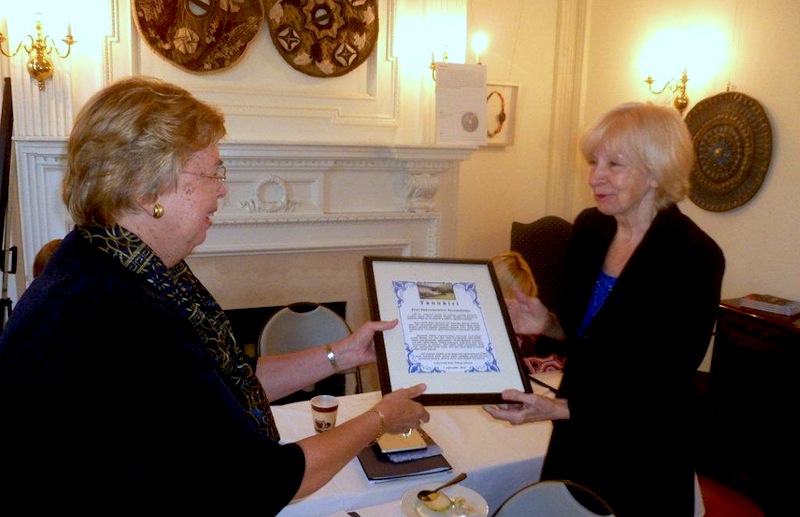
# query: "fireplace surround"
297 218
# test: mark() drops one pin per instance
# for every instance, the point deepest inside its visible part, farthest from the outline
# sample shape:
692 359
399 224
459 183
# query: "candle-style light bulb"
480 41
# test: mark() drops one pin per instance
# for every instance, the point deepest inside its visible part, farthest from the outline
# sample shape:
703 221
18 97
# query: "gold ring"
406 434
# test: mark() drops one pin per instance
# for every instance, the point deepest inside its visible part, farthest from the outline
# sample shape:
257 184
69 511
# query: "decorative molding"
368 97
41 113
117 45
421 190
283 198
561 177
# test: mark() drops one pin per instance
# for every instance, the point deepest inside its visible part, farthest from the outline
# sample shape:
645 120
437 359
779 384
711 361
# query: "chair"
303 325
543 244
554 498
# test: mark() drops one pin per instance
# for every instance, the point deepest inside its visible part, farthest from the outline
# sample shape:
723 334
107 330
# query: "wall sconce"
39 64
677 86
433 63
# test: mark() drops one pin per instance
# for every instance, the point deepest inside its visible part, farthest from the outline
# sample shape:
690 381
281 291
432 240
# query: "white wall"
502 184
760 238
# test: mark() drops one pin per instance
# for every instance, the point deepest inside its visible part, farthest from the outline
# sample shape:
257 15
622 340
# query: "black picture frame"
454 332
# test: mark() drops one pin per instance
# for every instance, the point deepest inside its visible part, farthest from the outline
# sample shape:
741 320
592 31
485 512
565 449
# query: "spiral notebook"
379 466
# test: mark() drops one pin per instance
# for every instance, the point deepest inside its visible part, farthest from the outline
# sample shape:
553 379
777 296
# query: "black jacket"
107 395
630 380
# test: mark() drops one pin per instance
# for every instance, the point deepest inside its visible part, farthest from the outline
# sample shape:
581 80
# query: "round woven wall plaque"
733 142
323 38
197 35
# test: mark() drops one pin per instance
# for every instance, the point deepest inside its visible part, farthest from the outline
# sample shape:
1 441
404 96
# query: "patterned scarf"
193 301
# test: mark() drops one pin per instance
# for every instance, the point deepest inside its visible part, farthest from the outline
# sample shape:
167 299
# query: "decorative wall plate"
323 38
197 35
733 143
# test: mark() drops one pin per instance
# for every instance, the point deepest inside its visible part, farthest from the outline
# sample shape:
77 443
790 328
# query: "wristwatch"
332 358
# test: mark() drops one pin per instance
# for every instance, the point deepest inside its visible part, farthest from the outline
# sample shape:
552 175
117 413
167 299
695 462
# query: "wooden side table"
753 402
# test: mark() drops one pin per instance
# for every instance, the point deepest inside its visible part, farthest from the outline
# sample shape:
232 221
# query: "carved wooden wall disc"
199 35
733 142
323 38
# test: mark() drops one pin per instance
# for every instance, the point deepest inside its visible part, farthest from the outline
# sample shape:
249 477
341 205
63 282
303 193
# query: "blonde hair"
129 143
513 271
654 138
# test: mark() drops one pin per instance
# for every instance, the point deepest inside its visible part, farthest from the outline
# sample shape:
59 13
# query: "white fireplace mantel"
285 198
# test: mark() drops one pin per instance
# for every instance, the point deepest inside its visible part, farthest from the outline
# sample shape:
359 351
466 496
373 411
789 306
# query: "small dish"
473 504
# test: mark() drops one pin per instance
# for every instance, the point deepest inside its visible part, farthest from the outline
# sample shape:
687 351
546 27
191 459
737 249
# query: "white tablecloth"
498 458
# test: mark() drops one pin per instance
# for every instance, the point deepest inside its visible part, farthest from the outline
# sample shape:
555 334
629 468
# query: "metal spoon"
425 495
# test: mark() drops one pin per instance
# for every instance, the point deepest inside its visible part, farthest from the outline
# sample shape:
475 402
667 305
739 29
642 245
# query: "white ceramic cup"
323 410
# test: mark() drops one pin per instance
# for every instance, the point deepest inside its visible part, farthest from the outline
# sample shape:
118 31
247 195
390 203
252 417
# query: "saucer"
474 504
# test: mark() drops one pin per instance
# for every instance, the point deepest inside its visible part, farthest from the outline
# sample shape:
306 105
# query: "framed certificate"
454 333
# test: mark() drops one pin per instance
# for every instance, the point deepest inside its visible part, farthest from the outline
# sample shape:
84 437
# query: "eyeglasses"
221 174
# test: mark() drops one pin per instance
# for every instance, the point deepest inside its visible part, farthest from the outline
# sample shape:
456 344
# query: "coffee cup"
323 410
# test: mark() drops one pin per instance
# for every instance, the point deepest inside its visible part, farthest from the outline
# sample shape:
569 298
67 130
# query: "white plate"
474 502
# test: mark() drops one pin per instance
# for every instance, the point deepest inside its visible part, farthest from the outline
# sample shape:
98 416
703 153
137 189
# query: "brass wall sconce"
40 66
677 86
433 63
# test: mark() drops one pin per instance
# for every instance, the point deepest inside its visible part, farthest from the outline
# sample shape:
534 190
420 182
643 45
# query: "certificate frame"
454 332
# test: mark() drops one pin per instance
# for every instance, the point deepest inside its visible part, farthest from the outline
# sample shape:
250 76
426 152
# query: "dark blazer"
107 394
629 381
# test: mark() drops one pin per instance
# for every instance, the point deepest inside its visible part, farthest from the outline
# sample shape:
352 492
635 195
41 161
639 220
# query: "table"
754 363
499 458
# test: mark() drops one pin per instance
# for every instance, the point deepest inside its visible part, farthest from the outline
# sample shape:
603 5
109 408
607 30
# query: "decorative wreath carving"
259 203
323 38
733 143
197 35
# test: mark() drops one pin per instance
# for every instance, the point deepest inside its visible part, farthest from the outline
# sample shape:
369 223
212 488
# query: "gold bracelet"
332 358
381 429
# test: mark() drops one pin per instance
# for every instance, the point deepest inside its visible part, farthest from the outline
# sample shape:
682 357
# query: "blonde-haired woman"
642 290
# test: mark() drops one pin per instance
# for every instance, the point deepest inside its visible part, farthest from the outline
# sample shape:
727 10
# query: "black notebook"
379 467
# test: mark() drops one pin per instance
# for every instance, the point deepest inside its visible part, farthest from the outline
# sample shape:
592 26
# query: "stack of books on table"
381 466
770 303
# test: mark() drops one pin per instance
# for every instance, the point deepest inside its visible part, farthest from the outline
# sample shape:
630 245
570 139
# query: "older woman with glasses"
120 379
